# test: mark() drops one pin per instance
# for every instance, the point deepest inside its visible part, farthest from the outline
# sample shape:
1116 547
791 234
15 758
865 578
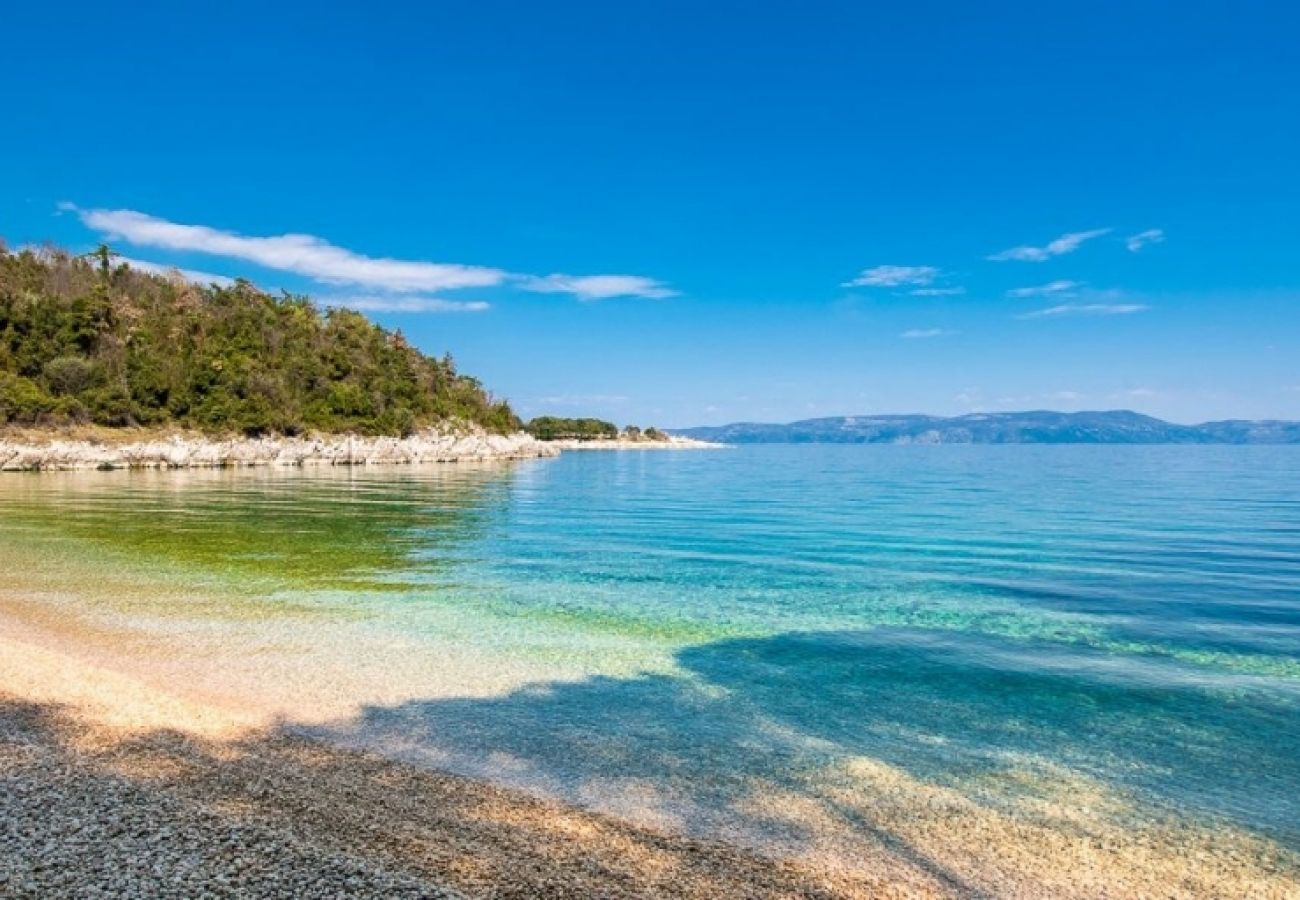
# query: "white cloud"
1052 288
894 276
407 304
301 254
1066 243
1085 309
188 274
1142 238
938 292
1067 396
318 259
915 333
596 287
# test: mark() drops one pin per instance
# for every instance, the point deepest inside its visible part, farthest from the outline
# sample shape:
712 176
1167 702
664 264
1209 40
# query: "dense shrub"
553 428
88 342
22 401
69 375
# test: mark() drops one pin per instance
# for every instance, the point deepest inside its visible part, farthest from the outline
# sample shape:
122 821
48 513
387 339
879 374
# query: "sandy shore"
109 787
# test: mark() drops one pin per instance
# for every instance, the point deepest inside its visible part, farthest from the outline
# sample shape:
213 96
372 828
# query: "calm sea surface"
771 642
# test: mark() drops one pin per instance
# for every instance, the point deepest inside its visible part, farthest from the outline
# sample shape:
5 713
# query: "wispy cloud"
917 333
1066 243
894 276
1051 289
583 399
326 263
1142 238
938 292
1085 309
193 275
407 304
302 254
596 287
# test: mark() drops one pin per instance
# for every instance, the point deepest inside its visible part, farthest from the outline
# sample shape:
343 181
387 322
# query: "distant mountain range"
1037 427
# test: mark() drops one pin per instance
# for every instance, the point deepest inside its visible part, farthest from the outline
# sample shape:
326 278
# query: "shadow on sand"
950 710
87 811
756 740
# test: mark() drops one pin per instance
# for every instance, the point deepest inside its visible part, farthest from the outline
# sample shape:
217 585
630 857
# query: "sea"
1077 655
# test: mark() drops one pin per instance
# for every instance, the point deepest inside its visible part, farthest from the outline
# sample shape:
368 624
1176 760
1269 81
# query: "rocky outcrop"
24 453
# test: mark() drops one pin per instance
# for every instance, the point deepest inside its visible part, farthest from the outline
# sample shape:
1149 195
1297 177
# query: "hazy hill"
1036 427
86 341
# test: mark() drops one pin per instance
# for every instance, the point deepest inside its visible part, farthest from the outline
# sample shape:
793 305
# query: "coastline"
181 450
145 786
144 791
28 451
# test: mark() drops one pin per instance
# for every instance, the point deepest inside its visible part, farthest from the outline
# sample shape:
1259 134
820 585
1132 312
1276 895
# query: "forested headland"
89 340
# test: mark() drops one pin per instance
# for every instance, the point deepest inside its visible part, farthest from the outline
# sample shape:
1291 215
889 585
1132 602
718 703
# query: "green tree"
69 375
553 428
80 339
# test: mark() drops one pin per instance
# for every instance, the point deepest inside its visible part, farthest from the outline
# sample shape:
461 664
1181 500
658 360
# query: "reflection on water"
264 528
827 648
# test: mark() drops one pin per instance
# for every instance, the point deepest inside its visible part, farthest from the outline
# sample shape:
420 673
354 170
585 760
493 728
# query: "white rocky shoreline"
189 450
27 452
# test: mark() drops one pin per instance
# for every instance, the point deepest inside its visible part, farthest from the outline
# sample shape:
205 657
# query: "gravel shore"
93 811
113 787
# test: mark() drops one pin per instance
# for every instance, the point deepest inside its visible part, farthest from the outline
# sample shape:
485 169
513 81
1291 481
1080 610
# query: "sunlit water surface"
790 645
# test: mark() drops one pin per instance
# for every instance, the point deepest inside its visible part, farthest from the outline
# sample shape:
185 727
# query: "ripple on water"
1086 641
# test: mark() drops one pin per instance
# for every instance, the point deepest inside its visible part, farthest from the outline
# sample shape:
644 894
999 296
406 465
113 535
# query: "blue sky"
684 213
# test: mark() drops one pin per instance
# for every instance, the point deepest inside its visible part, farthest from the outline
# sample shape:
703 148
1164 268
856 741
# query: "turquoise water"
1040 633
1131 613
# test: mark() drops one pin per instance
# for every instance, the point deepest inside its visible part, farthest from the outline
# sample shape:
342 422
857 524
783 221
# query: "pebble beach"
112 788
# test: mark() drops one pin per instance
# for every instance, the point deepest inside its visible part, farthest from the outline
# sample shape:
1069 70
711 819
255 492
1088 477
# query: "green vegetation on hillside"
554 428
633 433
93 342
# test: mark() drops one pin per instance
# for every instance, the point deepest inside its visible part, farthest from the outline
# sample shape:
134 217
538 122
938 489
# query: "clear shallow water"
782 643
